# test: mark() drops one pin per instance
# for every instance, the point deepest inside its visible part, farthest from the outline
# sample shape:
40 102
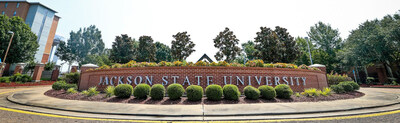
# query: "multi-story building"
40 18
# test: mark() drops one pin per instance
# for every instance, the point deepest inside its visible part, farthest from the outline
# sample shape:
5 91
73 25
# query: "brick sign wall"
298 79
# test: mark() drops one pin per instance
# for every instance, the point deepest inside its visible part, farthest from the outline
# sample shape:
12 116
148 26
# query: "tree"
146 50
249 49
24 44
289 50
275 45
227 43
99 60
123 49
182 46
81 44
328 40
163 52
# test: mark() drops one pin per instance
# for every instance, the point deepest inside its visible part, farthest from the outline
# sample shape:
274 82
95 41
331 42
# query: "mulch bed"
14 84
183 101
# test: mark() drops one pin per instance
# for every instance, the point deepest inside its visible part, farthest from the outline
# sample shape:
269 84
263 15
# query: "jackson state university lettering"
298 79
198 80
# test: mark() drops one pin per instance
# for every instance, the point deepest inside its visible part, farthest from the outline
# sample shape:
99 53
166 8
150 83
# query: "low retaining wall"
298 79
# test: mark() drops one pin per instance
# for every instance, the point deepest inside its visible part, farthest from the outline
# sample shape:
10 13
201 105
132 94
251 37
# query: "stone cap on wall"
89 65
317 65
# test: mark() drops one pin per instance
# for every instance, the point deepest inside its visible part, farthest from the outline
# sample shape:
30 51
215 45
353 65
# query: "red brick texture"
314 79
37 73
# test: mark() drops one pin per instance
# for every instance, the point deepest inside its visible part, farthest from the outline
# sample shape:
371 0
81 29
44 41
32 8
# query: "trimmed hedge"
283 91
231 92
353 84
251 92
267 92
175 91
63 85
346 86
337 89
157 92
123 91
141 91
194 92
214 92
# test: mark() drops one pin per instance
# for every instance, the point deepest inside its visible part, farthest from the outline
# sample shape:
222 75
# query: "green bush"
231 92
49 65
123 91
175 91
67 86
283 91
109 91
251 92
157 92
72 77
354 85
334 79
346 86
267 92
141 91
194 92
5 79
214 92
337 89
58 85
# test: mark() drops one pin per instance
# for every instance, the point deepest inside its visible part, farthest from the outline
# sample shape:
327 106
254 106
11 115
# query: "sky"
204 19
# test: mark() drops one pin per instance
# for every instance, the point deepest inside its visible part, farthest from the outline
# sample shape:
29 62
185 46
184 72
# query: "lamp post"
5 56
309 52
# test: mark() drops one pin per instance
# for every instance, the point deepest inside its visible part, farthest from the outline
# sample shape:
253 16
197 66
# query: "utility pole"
5 56
309 52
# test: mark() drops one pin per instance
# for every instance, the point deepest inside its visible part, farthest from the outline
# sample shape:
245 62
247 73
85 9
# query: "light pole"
5 56
309 52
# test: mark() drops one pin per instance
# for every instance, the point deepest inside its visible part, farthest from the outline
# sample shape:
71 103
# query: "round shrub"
337 89
157 92
231 92
346 86
194 92
123 91
283 91
175 91
58 85
141 91
251 92
267 92
354 85
67 86
214 92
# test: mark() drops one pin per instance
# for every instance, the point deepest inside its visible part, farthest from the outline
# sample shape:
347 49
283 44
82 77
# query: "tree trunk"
388 69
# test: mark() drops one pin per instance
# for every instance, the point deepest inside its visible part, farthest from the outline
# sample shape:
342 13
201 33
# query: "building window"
15 13
5 5
2 13
17 5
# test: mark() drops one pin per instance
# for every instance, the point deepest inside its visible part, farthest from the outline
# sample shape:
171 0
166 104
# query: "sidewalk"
374 97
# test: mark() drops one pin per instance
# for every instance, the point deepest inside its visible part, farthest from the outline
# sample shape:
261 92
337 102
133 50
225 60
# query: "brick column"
323 83
37 73
19 68
74 68
86 67
55 73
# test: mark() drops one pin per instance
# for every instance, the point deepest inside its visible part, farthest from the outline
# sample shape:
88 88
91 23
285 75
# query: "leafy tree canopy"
182 46
227 43
163 52
24 44
146 50
123 49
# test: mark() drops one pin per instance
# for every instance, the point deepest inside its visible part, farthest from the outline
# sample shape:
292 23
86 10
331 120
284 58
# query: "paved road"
15 117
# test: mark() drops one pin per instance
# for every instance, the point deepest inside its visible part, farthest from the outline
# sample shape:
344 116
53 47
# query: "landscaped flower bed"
251 63
214 94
